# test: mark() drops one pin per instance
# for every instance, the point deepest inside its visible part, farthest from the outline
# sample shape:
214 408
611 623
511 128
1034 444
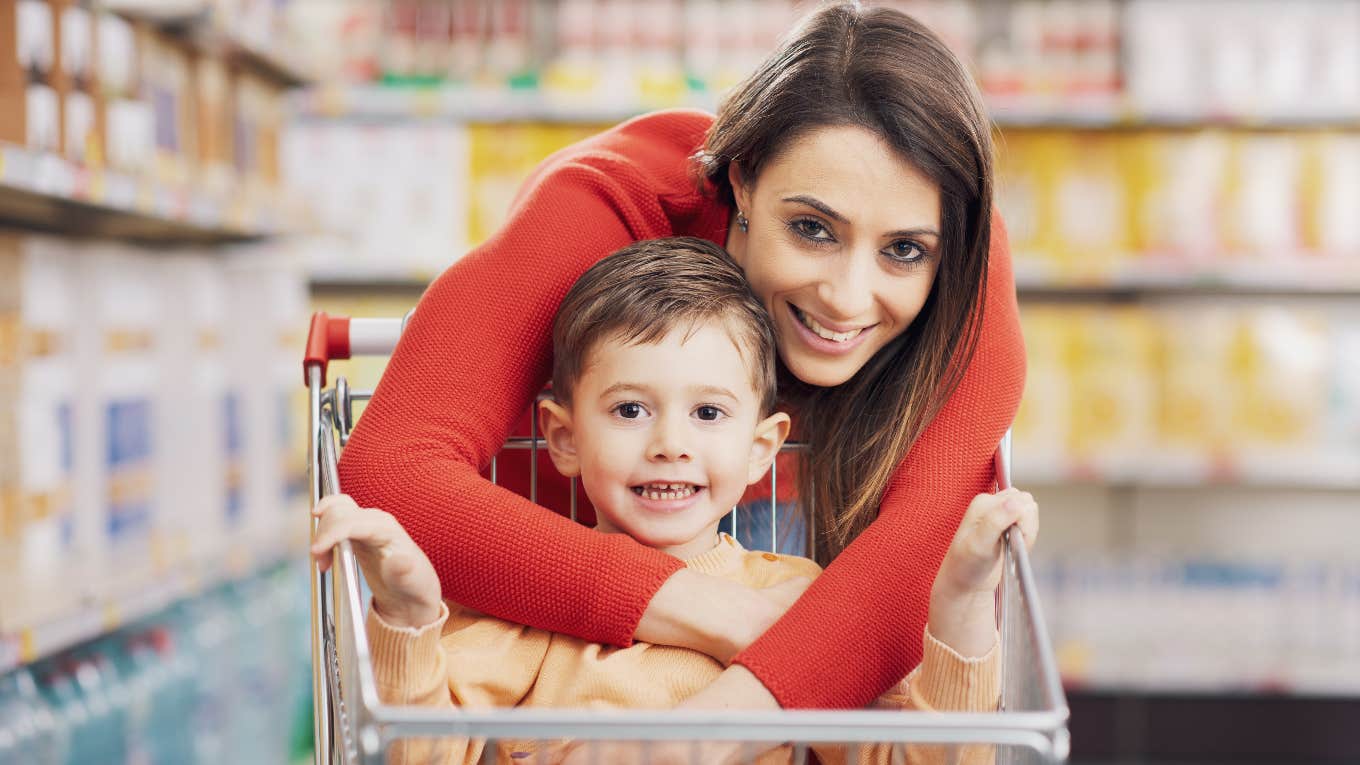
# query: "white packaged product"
40 561
123 307
33 36
77 38
195 423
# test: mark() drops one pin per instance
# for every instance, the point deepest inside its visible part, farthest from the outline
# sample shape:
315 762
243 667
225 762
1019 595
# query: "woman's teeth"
664 491
823 332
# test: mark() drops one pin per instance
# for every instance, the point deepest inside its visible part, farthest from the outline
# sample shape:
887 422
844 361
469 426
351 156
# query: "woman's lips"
824 345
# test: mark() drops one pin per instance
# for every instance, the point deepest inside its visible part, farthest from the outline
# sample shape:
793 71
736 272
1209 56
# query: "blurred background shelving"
152 515
1179 182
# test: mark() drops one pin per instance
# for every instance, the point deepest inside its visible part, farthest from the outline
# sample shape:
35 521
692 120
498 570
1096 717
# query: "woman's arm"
877 591
474 355
468 365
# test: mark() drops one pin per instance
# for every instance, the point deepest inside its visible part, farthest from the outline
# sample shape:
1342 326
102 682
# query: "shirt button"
769 556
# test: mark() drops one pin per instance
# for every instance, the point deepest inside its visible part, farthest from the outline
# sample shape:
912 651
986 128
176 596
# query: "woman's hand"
405 587
962 602
714 616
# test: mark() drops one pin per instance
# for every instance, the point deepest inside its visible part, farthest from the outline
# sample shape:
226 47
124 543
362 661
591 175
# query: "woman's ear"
770 435
741 191
555 420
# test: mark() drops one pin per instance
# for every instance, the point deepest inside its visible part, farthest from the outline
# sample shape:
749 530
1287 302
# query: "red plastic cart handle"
327 339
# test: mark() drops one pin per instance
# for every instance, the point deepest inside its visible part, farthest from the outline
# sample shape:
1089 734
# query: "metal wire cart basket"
353 726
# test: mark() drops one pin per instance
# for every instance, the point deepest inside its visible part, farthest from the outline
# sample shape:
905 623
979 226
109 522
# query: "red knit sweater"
479 348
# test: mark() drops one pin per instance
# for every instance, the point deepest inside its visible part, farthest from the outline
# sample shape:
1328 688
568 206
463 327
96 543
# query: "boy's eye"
708 413
629 411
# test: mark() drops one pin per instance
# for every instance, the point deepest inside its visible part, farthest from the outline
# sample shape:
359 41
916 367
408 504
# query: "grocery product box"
129 122
82 107
196 423
40 553
122 305
47 77
166 81
213 117
257 124
268 304
27 58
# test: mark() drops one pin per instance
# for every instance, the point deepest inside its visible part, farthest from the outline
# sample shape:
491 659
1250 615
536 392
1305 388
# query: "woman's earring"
742 223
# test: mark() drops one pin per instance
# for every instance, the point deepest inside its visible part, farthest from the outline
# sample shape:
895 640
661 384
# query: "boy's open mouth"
664 491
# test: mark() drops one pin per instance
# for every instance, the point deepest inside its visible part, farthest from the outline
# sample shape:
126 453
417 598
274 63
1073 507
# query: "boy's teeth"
664 491
823 332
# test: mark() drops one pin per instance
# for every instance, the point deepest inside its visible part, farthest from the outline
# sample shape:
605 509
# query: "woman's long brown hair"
884 71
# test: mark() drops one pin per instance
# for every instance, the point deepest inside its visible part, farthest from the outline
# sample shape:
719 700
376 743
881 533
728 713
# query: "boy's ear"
770 435
555 420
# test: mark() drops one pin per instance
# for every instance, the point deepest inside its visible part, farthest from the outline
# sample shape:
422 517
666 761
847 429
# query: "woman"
851 178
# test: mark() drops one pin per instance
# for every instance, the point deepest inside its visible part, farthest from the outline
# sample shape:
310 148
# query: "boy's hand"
405 587
962 602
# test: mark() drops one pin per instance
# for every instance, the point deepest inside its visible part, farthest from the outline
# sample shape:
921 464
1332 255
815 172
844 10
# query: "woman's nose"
847 287
669 443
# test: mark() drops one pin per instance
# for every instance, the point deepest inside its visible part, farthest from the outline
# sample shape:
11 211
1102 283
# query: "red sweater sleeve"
469 364
877 591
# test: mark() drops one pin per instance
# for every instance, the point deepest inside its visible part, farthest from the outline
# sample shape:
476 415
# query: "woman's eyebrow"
817 205
923 231
826 210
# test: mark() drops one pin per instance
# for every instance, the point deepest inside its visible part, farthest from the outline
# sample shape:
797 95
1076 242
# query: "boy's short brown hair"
643 291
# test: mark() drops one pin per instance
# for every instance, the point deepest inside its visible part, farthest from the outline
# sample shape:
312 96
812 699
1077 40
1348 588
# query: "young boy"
663 381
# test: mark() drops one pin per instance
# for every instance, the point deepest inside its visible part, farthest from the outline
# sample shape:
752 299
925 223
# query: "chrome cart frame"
353 726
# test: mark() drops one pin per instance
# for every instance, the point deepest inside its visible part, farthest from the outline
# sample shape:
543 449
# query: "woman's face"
842 248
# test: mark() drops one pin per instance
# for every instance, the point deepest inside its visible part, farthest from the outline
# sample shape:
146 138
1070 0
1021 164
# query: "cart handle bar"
331 338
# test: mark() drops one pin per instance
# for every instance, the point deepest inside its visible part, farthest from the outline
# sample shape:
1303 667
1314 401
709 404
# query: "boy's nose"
668 441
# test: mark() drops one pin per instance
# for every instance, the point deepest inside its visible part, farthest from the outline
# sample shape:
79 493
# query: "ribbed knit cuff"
404 657
949 682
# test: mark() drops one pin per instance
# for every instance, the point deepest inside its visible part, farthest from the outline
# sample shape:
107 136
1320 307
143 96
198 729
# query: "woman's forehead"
855 173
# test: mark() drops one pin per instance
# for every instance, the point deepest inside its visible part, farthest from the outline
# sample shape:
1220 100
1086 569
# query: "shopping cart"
353 726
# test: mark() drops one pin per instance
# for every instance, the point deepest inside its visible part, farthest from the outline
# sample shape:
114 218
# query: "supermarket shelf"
385 284
253 550
471 104
274 65
193 19
43 191
488 104
1328 472
1113 115
160 11
1297 275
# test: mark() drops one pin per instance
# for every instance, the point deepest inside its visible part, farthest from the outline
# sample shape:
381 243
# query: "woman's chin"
820 373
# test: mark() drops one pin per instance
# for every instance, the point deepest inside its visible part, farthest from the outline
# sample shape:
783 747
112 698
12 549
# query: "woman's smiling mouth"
824 339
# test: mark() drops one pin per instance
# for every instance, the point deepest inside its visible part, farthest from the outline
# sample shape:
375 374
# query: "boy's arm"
460 659
410 670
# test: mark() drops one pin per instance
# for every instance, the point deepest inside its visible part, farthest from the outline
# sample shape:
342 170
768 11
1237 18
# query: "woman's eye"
906 251
708 413
629 411
810 229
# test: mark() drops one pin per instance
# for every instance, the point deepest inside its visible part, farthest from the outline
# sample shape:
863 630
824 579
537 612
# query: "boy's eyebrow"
714 390
702 390
620 387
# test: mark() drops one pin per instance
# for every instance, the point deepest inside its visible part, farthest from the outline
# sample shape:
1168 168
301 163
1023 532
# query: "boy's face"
666 436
